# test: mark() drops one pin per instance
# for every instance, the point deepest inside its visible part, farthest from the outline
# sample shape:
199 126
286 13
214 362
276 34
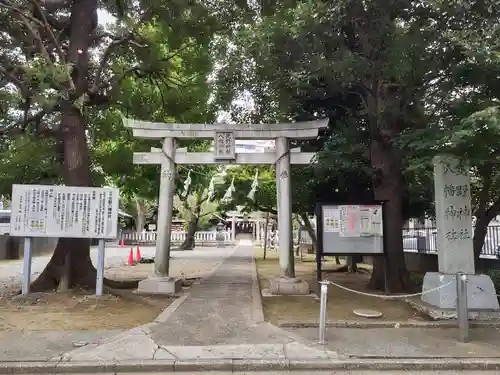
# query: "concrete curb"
258 311
205 365
170 309
387 324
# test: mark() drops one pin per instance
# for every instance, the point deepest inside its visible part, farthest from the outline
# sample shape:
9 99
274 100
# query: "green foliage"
27 160
265 197
187 207
151 62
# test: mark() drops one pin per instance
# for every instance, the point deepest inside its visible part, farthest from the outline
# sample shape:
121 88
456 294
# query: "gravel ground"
189 263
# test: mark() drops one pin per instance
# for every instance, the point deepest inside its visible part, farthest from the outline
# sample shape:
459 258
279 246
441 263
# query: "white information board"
64 211
351 229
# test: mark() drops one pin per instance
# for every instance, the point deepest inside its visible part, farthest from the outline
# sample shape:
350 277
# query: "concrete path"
224 309
408 342
219 326
220 318
19 345
336 372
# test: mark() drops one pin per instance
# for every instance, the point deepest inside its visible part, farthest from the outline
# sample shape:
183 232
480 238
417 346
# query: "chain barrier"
459 280
382 296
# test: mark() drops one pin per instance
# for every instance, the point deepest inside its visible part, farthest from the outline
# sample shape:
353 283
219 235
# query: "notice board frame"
320 254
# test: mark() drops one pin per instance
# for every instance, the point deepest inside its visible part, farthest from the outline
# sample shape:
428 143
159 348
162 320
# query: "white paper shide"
64 211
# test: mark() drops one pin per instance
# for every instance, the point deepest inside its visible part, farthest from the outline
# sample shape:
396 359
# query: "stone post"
233 229
162 283
287 284
454 241
258 230
284 199
453 216
165 209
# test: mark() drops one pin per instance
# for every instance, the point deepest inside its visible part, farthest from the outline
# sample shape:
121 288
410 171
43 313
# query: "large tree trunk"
352 263
480 231
190 243
309 228
484 212
483 219
140 219
387 184
76 169
76 173
266 234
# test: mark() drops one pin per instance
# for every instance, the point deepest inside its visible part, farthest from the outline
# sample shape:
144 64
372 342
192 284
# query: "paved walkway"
223 309
220 317
408 342
218 326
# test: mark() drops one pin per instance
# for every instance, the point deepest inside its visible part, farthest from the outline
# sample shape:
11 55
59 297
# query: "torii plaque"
224 136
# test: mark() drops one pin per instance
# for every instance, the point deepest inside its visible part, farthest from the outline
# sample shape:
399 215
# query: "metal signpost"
63 212
462 308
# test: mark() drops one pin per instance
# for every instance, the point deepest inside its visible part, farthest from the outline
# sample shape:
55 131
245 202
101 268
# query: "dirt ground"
78 311
81 311
341 303
183 268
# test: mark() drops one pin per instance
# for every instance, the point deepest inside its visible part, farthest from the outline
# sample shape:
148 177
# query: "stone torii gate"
224 136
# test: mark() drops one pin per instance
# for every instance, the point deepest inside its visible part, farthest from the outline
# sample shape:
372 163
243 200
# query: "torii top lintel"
293 130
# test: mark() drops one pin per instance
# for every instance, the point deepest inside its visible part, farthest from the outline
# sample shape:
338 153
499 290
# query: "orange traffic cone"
138 255
122 243
130 260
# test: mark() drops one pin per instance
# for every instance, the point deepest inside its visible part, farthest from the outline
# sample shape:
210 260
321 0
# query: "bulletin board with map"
350 229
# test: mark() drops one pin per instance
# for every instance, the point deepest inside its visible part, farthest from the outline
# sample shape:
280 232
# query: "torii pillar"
224 136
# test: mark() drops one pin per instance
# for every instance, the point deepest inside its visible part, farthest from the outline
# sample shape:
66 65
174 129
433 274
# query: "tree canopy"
400 81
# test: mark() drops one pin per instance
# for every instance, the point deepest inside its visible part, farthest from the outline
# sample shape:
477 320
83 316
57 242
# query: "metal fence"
175 236
423 240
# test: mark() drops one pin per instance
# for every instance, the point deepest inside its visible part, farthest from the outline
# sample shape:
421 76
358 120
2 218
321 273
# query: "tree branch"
139 70
48 27
207 213
25 19
11 77
24 122
55 5
115 43
267 209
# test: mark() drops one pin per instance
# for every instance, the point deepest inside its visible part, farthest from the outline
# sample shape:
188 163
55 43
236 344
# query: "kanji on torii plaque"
224 144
